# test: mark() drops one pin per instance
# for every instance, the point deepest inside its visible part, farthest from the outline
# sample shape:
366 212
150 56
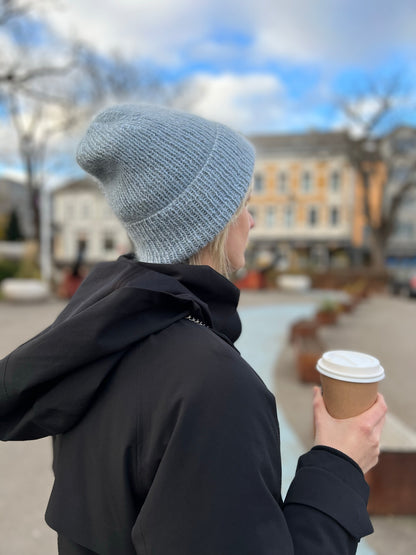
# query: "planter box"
308 350
393 481
326 318
345 308
393 484
252 280
302 329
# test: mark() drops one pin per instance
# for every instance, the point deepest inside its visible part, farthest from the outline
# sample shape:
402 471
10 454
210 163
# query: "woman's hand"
357 437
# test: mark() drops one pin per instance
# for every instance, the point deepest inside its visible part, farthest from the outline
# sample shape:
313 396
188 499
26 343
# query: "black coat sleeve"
209 461
326 505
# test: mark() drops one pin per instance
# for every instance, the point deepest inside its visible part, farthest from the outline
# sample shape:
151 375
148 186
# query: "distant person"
166 442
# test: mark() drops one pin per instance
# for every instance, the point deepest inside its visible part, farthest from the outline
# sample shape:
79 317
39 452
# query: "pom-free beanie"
173 179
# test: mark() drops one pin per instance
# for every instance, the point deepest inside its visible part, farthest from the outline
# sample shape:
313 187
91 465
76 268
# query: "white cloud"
291 31
8 142
156 30
253 104
175 33
324 31
7 48
246 102
301 30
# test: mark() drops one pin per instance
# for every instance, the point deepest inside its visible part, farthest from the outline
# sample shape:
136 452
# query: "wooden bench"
308 349
393 481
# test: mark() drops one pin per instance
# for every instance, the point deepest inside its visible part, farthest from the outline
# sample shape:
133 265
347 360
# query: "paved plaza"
381 325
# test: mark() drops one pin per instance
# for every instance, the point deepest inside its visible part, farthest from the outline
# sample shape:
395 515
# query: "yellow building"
305 201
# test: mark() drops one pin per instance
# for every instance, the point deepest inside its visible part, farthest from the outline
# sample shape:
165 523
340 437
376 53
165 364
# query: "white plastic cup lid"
350 366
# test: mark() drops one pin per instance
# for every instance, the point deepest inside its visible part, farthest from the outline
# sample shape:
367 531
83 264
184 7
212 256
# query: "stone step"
397 436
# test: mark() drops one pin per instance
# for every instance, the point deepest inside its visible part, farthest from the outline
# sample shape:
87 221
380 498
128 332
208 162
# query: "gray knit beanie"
173 179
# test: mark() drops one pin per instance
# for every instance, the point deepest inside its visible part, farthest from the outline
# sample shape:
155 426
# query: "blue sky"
261 66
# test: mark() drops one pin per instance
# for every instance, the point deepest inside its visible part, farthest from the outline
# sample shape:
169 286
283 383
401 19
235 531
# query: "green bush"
328 305
8 268
28 269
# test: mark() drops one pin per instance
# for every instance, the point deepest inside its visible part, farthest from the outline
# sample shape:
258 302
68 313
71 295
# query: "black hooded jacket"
166 442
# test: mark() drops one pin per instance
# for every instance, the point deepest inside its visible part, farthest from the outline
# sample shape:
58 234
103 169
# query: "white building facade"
82 220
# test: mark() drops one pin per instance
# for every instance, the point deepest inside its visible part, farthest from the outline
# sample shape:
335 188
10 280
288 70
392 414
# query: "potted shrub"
327 313
308 350
303 328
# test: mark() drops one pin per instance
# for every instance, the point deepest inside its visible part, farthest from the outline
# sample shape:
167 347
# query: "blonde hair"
216 249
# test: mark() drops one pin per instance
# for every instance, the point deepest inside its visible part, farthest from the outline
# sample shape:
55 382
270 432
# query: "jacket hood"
50 381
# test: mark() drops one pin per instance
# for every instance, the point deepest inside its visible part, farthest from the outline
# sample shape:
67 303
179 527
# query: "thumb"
318 402
318 411
317 395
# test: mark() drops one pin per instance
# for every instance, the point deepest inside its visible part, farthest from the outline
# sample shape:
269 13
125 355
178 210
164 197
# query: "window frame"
289 212
282 190
332 210
270 218
258 177
313 209
310 182
337 189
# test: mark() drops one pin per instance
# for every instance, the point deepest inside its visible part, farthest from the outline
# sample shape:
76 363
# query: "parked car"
403 282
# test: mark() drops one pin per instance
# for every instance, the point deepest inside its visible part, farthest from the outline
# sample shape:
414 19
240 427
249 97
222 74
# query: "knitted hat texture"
173 179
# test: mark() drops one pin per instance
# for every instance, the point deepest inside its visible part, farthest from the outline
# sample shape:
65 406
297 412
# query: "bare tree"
26 91
14 18
45 99
375 153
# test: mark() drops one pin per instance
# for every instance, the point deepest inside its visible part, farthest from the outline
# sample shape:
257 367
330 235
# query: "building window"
85 211
404 230
313 216
306 183
270 216
282 183
404 145
334 181
69 211
258 183
334 216
108 243
289 216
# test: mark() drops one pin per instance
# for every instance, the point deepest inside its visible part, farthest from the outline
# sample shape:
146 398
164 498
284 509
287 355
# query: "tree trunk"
378 250
33 191
34 200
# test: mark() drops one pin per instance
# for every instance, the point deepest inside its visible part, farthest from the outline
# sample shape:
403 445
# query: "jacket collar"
215 296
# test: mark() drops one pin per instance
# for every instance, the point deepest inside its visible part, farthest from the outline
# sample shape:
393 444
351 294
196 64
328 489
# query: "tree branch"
13 9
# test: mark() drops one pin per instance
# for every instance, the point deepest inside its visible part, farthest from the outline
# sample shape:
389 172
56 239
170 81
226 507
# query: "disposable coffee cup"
349 382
